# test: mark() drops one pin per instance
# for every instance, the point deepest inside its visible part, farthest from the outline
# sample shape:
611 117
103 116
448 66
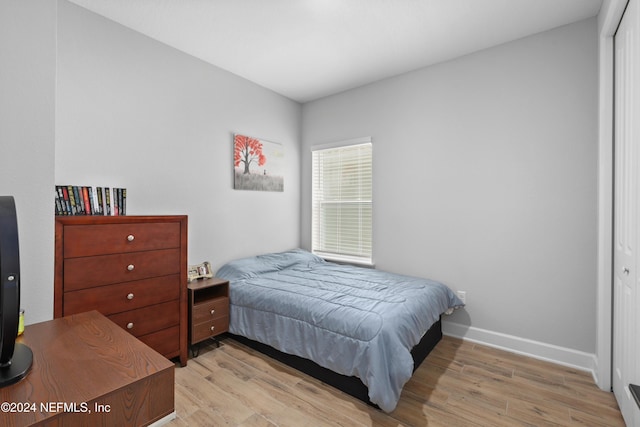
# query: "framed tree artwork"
258 164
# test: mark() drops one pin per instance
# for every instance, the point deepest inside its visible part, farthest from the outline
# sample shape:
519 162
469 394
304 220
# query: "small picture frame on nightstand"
199 271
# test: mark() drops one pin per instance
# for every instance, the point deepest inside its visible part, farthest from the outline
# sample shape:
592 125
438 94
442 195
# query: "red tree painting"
247 151
252 171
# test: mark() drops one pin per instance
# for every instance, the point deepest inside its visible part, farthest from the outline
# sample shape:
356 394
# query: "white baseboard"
164 420
526 347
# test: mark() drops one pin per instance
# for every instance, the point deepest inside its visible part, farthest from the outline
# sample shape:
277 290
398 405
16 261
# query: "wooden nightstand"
208 310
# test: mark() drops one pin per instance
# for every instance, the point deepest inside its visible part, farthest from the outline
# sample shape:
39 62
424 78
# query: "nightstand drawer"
205 330
87 272
150 319
89 240
212 309
112 299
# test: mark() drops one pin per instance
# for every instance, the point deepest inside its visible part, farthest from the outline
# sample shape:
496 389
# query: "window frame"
358 259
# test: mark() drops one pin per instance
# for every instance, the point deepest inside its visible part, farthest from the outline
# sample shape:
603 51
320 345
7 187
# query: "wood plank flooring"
458 384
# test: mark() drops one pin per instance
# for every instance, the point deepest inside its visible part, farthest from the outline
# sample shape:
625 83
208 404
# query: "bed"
362 324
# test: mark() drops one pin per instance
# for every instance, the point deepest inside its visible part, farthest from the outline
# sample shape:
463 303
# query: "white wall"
27 133
485 167
135 113
485 179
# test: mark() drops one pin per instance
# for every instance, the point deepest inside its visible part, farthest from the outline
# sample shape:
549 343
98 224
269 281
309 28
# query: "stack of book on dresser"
82 200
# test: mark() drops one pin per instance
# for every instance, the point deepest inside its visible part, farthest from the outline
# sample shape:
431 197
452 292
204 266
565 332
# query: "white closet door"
626 330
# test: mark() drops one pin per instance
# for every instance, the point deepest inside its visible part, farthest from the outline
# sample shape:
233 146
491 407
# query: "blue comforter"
355 321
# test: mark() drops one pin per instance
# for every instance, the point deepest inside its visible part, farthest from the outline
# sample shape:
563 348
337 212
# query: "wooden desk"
88 371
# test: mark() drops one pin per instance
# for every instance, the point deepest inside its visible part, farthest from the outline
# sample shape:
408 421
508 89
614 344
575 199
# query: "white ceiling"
307 49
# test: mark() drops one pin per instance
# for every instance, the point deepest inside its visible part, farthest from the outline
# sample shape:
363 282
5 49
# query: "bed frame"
349 385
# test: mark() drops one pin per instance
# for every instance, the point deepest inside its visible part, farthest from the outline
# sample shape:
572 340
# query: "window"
342 201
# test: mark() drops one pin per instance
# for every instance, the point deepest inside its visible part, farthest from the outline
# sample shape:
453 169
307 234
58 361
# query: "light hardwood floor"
458 384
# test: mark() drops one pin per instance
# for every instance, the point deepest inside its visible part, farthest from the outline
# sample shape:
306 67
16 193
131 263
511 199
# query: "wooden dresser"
132 269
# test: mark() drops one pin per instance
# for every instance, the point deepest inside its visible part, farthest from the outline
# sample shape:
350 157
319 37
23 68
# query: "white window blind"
342 202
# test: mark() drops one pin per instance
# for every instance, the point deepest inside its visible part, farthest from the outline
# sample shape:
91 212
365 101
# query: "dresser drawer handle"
130 296
213 311
130 325
130 237
130 267
212 328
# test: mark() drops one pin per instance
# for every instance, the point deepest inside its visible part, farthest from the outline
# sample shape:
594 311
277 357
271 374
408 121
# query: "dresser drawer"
202 331
150 319
120 297
87 272
165 342
211 309
89 240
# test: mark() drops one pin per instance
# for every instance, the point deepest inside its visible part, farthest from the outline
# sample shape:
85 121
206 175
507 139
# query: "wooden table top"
76 360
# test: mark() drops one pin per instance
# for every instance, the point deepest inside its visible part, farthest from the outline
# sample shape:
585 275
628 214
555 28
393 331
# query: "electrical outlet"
463 296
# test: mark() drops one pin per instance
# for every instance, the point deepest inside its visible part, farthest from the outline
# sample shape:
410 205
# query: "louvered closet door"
626 333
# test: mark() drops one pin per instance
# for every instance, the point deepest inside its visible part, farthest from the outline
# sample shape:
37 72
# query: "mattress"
354 321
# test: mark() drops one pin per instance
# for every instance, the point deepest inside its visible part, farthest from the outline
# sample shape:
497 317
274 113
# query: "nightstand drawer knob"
130 325
212 328
213 311
130 296
130 237
130 267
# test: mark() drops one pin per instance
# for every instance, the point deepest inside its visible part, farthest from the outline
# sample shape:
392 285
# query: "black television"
15 358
